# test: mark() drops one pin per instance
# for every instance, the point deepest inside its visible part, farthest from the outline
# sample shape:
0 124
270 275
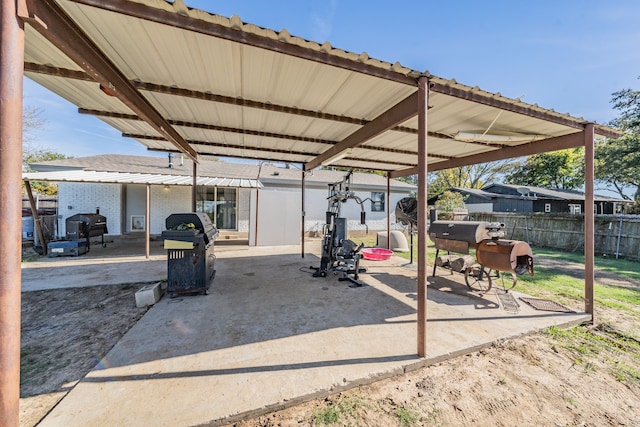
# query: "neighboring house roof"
156 170
474 191
548 193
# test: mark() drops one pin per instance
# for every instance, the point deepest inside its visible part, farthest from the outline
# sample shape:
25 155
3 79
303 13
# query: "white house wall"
164 202
75 198
316 204
86 197
243 209
479 207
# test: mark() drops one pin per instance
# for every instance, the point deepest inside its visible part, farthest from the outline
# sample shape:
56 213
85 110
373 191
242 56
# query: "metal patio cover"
180 79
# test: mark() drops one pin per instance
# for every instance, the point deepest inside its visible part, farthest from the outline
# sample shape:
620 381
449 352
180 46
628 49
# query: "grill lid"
178 223
90 219
472 232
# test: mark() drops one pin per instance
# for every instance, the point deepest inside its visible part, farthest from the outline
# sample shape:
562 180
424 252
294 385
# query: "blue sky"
568 55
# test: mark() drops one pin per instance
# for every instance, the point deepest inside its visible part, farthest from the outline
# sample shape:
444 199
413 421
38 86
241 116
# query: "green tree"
450 200
36 156
562 169
474 176
618 160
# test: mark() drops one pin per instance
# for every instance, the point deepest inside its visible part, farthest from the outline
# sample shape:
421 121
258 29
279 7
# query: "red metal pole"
589 220
11 71
423 102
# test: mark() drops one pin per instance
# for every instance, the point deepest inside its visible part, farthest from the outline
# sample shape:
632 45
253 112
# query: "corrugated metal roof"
237 90
266 173
138 178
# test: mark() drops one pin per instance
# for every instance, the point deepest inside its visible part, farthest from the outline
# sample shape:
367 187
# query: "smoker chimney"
170 160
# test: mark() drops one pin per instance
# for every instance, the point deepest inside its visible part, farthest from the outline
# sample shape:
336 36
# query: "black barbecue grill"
189 240
459 236
86 226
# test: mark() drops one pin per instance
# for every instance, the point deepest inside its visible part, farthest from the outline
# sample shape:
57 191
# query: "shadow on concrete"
253 369
257 300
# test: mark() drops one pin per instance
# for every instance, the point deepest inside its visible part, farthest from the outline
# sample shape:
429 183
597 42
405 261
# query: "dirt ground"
65 333
533 380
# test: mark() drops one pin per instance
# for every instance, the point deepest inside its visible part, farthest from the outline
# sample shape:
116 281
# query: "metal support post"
303 215
147 222
589 219
423 103
194 187
11 71
388 211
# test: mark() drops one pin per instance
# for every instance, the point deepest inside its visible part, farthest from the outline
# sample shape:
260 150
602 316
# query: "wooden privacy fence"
615 235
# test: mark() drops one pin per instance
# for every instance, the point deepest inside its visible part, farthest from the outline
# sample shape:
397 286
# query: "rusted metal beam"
422 107
54 24
11 71
206 96
572 140
276 150
182 123
447 90
589 220
402 111
184 22
50 70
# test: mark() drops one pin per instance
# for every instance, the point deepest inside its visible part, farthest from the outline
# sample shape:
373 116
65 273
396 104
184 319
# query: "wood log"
460 264
445 260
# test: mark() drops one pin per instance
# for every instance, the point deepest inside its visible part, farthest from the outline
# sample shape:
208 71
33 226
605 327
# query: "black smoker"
189 239
85 226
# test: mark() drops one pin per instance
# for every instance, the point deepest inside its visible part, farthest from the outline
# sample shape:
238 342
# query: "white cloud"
322 14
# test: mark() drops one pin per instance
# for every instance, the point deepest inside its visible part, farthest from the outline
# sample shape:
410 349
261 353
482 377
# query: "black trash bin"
189 240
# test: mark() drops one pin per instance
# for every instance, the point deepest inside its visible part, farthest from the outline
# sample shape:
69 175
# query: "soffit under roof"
289 101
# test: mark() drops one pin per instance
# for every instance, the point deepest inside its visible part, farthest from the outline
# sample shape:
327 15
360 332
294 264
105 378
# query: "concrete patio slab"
270 335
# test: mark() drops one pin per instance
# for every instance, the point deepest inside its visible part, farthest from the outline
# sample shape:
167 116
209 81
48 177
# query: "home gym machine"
340 254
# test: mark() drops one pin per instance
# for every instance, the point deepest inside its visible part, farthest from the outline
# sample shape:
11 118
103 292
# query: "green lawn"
566 289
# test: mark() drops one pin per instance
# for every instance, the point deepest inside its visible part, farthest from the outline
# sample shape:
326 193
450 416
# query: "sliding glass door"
220 204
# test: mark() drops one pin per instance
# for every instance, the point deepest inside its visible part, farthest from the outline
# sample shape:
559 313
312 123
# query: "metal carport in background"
136 178
206 85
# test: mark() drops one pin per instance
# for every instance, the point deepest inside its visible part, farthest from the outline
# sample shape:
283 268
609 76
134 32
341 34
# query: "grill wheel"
478 278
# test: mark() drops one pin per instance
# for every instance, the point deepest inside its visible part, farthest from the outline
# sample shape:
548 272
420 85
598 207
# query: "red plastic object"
376 254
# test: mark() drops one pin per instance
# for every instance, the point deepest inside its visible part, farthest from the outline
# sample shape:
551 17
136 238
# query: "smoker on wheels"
339 254
494 254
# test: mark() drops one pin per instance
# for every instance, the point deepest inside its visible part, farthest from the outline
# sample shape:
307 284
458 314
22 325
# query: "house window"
575 209
547 207
377 201
220 205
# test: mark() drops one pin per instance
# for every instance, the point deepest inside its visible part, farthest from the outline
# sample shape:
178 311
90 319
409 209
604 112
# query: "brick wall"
75 198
